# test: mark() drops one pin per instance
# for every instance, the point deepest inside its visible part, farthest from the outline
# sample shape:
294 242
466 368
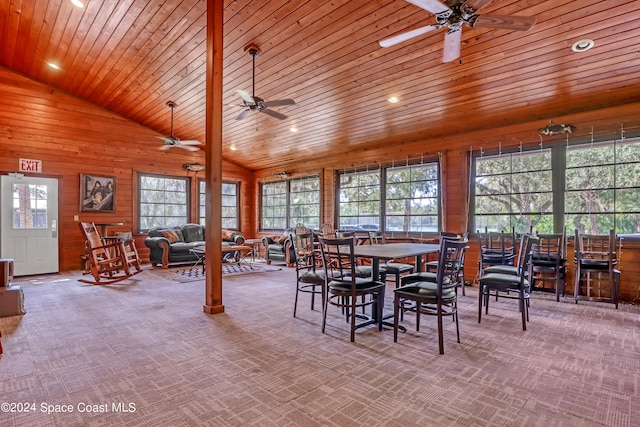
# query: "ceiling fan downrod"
171 105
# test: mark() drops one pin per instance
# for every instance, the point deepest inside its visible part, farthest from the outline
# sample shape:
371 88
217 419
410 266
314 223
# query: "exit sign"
30 165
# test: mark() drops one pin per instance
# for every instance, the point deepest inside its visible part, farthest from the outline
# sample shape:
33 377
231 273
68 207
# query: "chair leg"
522 310
480 298
353 301
440 328
295 301
396 312
324 311
454 307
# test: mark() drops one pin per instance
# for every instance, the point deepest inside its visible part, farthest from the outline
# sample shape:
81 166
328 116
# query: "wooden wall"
71 136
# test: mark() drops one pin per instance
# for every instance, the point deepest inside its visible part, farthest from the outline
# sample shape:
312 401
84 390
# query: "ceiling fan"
255 103
452 14
172 141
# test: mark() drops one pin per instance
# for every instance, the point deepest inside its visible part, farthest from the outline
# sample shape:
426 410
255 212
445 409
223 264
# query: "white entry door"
29 223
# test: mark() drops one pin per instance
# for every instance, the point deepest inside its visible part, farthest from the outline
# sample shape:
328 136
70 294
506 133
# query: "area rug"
192 274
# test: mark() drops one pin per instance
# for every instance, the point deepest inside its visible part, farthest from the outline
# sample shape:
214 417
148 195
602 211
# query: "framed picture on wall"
97 193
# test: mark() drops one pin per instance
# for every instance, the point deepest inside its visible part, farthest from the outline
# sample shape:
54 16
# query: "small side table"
255 248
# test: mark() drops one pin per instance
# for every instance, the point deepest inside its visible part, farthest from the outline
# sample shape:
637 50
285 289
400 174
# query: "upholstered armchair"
280 248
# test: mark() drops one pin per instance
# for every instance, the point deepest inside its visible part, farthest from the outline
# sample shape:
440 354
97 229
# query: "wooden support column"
213 156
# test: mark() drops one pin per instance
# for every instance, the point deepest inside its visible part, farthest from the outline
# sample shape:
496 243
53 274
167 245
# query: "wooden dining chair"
597 275
310 278
433 265
433 293
345 289
510 286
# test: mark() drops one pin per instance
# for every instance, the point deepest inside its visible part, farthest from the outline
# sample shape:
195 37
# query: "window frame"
287 220
559 180
141 176
201 206
383 216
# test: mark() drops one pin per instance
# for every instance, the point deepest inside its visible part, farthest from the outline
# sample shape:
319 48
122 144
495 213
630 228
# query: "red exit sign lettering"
30 165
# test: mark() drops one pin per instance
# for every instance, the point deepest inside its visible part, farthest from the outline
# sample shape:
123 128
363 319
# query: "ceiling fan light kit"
453 14
193 167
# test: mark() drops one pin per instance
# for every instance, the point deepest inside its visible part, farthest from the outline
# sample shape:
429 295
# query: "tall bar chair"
548 264
597 277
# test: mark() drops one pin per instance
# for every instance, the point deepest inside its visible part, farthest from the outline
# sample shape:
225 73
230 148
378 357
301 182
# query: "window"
360 196
29 206
286 203
274 206
230 209
514 191
406 197
412 198
592 187
603 187
163 201
304 202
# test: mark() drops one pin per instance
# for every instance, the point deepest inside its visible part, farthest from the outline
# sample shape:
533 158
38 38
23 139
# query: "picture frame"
97 193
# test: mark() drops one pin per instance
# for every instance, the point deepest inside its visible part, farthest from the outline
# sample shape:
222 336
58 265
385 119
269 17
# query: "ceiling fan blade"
433 6
244 114
476 5
392 41
273 114
189 142
188 147
452 45
517 23
279 103
248 99
165 147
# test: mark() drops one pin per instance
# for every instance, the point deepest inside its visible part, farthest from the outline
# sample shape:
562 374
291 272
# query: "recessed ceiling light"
54 66
232 148
293 129
582 45
77 3
393 99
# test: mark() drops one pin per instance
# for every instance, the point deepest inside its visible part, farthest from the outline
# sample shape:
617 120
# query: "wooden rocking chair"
109 261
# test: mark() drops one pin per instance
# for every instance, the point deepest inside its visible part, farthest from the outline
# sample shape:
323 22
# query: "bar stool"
596 259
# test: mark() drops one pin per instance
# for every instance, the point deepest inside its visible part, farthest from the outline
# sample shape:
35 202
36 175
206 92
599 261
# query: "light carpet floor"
145 345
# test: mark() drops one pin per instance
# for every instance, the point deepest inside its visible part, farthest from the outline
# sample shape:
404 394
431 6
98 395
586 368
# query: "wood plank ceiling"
132 56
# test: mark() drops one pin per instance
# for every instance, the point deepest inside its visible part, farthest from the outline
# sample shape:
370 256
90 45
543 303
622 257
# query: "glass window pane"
163 201
512 190
603 187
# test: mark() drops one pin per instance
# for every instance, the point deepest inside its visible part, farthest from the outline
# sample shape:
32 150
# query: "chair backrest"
596 250
338 258
91 234
303 247
531 245
344 234
451 260
327 230
499 246
550 248
376 238
301 228
450 235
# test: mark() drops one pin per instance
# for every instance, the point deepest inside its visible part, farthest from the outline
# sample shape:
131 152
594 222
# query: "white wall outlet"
75 218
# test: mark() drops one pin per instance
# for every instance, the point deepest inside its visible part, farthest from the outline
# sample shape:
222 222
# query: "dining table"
390 251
